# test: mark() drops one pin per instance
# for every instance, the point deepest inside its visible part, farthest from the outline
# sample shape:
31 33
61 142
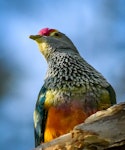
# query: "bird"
72 90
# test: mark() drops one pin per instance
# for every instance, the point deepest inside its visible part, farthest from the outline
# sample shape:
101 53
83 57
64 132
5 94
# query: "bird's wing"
40 115
111 94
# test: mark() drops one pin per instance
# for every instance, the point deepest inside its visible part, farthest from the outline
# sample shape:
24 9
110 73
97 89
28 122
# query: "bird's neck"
63 71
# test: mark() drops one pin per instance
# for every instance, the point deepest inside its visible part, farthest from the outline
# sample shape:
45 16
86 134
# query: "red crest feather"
45 31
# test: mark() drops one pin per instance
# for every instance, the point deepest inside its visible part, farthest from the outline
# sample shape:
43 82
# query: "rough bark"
104 130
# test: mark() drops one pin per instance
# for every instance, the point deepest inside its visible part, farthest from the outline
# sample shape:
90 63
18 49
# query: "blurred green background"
97 28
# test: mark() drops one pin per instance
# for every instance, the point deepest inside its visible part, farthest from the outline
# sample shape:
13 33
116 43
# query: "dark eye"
56 34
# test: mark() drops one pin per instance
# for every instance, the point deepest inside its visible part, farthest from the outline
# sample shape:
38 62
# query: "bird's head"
51 41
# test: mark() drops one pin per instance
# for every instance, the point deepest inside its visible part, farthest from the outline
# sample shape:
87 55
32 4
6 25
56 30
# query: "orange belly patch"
62 119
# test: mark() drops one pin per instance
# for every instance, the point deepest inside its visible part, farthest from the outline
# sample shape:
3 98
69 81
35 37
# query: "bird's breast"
65 110
62 118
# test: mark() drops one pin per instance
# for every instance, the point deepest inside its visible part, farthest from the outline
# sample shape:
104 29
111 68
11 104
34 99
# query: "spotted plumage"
72 90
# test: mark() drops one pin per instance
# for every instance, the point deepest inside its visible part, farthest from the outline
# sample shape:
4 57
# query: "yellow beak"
34 37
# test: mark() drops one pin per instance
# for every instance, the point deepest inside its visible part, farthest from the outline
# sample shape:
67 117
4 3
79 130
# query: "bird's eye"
56 34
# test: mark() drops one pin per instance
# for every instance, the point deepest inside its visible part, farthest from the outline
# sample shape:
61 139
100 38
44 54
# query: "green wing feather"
40 115
112 94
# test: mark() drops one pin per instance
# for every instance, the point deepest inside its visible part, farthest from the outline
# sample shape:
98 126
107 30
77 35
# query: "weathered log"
104 130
